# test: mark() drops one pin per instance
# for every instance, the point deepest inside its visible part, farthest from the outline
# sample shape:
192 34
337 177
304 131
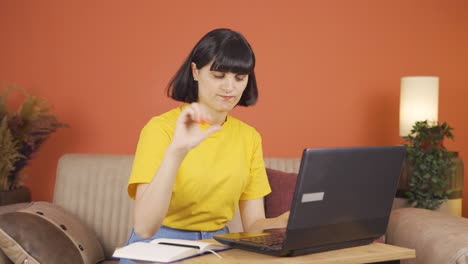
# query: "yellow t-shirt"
226 167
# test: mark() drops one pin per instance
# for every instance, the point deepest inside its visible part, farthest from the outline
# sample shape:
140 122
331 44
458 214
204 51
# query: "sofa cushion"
436 237
44 233
282 189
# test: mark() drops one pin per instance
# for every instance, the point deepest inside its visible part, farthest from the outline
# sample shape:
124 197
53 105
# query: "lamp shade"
419 101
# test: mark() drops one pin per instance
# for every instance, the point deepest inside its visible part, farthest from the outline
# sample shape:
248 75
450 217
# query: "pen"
178 245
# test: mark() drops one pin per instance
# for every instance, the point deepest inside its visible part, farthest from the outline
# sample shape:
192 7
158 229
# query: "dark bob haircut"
230 52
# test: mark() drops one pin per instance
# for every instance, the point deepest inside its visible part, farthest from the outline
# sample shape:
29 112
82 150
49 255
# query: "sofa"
91 209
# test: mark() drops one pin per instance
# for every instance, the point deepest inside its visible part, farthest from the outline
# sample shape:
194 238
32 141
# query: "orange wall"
328 71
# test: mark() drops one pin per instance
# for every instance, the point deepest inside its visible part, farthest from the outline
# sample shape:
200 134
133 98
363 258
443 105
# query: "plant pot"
20 195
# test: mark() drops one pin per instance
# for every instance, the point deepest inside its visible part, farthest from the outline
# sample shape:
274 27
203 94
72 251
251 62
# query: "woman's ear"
194 71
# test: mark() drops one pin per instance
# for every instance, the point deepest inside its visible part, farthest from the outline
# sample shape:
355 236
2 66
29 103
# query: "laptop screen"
343 198
345 193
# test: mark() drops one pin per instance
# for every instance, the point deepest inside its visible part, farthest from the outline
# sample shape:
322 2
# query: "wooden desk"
372 253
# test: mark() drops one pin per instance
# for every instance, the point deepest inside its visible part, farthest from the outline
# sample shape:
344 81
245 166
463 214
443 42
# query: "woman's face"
220 91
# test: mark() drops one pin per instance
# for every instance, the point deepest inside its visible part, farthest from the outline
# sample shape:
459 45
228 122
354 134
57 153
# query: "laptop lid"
343 197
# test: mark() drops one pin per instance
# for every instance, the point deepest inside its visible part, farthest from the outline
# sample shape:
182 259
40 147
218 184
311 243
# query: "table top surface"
374 252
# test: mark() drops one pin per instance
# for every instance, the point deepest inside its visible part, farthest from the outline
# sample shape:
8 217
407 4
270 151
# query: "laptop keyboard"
272 240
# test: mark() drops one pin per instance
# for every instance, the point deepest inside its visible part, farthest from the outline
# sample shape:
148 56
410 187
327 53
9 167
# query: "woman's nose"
230 84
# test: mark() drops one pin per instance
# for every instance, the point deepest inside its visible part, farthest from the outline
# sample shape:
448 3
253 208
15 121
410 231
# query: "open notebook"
166 250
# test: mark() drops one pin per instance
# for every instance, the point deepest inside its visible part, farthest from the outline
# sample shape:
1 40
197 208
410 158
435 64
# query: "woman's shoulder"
167 119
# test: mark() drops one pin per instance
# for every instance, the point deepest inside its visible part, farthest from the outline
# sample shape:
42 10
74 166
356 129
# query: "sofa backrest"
94 189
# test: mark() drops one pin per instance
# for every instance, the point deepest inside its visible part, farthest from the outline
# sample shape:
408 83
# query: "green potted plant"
430 166
22 132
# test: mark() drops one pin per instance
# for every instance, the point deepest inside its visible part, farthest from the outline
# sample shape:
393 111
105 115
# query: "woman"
195 164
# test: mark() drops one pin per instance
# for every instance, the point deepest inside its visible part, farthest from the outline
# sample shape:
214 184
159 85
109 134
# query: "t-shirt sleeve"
154 139
258 185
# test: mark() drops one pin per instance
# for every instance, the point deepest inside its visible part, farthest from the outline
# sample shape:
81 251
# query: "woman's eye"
218 76
240 78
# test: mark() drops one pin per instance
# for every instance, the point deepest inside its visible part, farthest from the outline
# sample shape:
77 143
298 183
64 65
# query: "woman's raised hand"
188 133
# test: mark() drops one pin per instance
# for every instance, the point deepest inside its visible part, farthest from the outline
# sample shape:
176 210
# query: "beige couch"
93 189
437 237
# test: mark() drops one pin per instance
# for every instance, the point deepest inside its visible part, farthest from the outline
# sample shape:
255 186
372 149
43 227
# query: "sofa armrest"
436 237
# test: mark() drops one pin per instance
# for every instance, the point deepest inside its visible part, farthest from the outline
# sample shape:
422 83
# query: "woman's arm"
152 199
253 216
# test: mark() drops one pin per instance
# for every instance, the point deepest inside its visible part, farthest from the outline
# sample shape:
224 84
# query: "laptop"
343 198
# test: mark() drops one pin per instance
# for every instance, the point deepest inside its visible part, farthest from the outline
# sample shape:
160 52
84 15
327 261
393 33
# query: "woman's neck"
218 118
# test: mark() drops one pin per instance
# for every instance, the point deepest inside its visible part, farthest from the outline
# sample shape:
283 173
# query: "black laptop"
343 198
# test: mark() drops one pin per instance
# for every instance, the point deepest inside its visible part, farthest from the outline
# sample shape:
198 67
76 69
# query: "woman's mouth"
226 97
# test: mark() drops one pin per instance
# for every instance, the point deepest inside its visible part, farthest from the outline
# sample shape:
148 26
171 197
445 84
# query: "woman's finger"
197 112
188 115
204 114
